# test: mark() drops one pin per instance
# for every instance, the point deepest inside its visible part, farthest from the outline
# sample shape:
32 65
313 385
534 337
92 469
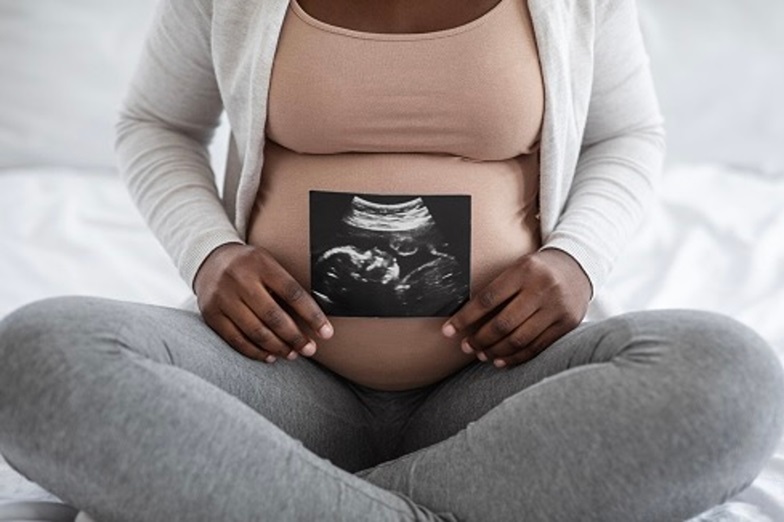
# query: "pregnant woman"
420 201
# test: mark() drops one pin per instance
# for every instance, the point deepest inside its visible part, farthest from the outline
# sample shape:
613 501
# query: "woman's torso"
447 120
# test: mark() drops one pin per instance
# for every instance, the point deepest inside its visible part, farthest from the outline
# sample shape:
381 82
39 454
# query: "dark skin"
397 16
249 299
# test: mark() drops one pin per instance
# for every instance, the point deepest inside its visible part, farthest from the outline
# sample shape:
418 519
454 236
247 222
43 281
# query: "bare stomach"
390 246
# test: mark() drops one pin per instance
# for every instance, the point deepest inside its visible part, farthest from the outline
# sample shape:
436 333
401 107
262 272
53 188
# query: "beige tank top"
400 176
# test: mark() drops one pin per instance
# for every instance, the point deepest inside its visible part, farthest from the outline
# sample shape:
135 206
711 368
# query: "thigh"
124 434
476 389
642 339
304 399
654 415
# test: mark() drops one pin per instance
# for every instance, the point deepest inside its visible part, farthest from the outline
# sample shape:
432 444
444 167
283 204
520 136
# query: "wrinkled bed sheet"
714 240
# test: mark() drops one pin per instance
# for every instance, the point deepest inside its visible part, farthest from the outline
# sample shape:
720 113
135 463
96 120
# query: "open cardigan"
602 145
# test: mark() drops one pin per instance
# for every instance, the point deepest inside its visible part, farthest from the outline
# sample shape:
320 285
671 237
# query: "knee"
37 318
738 376
20 330
709 346
733 353
42 330
718 386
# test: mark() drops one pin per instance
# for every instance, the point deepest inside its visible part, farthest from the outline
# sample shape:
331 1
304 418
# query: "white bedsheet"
715 241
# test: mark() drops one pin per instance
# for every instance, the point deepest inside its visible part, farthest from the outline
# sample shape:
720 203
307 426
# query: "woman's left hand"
524 310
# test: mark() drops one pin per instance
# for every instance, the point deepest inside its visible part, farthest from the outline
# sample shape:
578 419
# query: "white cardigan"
602 142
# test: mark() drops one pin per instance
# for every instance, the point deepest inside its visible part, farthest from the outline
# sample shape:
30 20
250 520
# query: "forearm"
615 184
623 148
169 116
170 180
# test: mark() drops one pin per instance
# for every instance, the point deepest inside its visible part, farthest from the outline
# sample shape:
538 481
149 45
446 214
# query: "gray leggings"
142 413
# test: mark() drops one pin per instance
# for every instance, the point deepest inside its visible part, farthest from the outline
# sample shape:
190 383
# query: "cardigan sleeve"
167 120
620 162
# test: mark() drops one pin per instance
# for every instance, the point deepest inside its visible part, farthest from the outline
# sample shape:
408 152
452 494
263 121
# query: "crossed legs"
135 412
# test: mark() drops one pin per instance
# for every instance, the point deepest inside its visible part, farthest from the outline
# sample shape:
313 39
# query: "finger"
535 347
258 333
294 295
268 313
506 323
237 340
521 337
491 297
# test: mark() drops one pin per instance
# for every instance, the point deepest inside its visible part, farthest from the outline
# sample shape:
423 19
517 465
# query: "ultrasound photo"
389 255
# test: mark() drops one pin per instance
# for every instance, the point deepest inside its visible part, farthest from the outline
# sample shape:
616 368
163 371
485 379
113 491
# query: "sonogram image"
380 255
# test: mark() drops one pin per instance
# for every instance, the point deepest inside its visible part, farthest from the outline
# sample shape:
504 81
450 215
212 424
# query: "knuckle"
531 263
502 325
566 320
487 299
237 343
271 349
496 351
518 342
572 321
209 314
260 335
233 272
548 277
277 352
476 344
220 301
293 292
273 317
259 255
317 317
254 353
539 263
298 341
258 262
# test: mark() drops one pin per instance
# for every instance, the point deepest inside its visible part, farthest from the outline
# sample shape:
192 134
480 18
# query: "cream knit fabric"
602 142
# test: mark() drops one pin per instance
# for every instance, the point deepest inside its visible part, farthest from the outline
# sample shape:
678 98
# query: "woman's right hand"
247 297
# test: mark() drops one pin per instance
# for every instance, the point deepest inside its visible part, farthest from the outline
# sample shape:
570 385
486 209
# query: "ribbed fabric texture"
473 91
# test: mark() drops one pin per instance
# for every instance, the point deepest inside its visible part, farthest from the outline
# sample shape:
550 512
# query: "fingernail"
326 331
499 363
481 356
448 330
270 359
292 355
467 348
309 349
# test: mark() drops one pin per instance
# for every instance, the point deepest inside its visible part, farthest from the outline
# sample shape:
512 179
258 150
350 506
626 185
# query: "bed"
714 240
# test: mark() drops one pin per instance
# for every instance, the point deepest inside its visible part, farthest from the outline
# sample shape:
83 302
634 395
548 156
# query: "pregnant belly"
390 246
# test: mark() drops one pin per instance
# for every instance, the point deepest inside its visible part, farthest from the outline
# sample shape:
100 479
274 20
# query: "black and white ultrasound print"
381 255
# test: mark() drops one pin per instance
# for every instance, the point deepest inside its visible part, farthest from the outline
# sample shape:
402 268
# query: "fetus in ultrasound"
387 256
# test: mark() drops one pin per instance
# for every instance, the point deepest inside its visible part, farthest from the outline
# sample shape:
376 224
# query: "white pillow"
719 71
65 67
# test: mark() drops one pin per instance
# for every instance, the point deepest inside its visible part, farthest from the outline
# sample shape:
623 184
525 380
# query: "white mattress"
715 241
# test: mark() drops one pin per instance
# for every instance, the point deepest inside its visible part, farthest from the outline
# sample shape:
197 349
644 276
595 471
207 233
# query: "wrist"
212 260
567 264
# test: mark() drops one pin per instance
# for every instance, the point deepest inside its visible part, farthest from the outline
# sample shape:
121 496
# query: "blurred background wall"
719 71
